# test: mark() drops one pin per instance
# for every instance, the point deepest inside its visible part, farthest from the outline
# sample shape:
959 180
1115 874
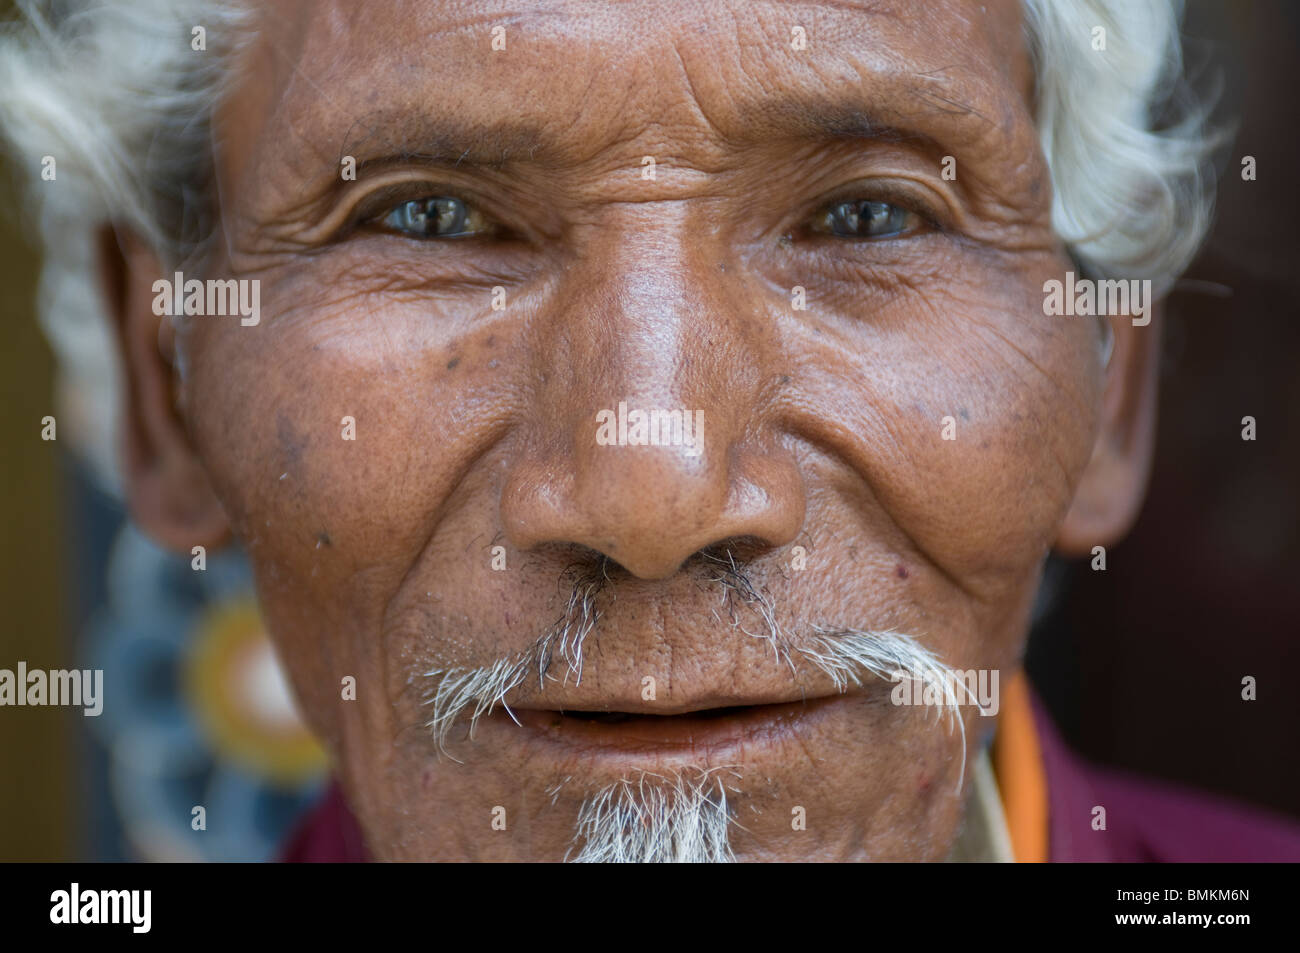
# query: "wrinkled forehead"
562 81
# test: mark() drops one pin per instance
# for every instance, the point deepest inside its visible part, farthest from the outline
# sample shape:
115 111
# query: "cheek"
998 434
335 441
967 414
334 432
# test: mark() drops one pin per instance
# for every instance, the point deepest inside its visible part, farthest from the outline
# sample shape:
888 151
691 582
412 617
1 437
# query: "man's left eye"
866 219
440 217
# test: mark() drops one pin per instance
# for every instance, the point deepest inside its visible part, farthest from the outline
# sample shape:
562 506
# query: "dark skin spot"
292 443
451 365
902 572
323 539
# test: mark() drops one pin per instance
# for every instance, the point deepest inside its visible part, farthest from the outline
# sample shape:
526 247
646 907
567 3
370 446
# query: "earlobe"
1110 493
168 492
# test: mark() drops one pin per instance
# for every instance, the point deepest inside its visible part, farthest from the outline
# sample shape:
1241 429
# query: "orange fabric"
1022 782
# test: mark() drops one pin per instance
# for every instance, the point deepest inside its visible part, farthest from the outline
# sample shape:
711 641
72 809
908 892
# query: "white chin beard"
656 819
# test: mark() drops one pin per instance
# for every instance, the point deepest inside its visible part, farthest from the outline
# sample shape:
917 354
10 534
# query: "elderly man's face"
834 250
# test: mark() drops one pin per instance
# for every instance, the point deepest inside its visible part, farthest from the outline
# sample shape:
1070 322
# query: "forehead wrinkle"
412 133
856 97
905 77
877 102
308 102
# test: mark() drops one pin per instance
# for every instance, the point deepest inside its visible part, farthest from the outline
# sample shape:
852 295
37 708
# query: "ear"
1110 494
168 492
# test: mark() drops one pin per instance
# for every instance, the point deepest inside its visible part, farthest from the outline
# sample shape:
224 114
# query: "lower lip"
685 737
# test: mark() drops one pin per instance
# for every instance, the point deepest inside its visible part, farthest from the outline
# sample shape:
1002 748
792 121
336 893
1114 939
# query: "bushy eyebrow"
939 107
385 136
821 120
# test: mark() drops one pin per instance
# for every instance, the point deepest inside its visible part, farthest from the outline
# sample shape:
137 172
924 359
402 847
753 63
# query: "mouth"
701 733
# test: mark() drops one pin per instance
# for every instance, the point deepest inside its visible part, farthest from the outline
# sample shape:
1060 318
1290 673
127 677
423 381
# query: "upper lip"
693 705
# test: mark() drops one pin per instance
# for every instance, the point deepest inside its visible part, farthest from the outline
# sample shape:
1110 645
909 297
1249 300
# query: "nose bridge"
643 458
646 316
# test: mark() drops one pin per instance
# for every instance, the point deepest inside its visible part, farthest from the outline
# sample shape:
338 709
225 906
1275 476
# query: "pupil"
441 216
866 219
450 216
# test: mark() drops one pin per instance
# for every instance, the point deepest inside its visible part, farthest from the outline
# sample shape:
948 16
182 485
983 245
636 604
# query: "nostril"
650 512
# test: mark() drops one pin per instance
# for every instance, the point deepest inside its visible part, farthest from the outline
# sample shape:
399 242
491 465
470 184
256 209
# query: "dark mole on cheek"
451 365
902 571
323 539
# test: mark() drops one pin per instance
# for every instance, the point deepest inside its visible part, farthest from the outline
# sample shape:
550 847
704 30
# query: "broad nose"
650 436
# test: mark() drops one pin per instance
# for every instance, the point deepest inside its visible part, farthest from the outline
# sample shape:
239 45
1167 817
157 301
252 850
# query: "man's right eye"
439 217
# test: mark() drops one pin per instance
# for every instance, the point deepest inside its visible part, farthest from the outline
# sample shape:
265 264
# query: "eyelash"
374 209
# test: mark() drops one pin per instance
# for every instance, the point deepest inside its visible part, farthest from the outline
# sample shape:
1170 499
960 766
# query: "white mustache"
485 687
685 817
848 656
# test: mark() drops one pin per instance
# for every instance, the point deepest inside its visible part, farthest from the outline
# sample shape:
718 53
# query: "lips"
704 732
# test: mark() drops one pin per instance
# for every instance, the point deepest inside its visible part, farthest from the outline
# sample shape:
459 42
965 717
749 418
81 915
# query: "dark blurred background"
1141 664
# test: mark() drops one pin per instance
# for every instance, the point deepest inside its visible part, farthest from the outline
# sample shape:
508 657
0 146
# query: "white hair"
681 819
115 93
1130 199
